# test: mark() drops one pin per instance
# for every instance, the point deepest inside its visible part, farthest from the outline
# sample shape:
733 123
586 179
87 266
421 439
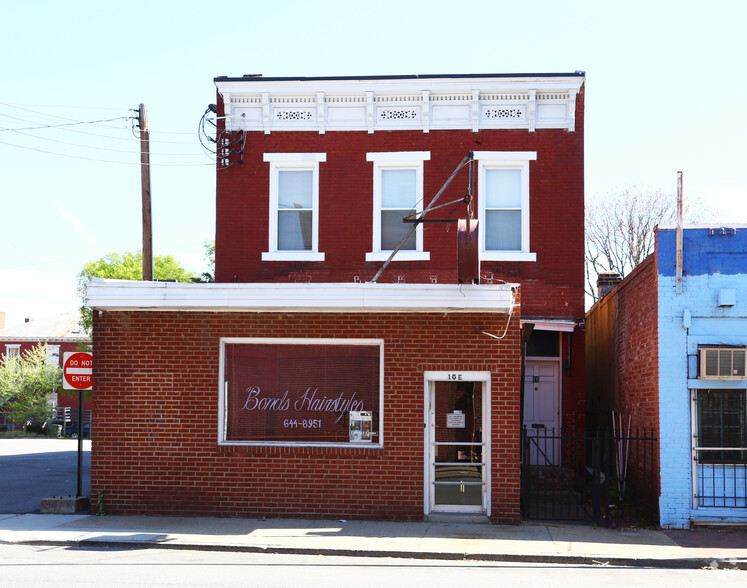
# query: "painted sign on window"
300 391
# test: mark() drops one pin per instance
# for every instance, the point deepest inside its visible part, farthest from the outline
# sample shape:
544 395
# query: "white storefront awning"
104 294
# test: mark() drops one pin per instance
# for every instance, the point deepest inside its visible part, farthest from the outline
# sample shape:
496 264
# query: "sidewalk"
546 543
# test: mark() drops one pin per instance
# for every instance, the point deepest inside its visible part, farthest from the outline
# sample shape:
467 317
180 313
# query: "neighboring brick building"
303 383
61 333
662 354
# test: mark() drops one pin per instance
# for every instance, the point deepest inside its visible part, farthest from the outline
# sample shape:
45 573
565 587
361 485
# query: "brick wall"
623 376
156 417
551 286
637 348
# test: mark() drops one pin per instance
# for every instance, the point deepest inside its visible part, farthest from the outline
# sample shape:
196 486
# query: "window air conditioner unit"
722 363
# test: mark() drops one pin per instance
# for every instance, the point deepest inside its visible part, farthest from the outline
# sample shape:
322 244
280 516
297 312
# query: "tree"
620 230
127 266
26 383
209 275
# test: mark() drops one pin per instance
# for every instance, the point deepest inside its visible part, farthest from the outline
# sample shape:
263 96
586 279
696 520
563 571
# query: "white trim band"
110 295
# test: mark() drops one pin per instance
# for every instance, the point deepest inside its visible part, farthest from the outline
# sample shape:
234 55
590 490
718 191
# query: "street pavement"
449 538
36 468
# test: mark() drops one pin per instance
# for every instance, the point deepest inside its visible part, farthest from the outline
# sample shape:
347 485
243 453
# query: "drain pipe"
679 233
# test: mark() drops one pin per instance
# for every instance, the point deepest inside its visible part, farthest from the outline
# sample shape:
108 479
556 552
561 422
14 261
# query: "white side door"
542 411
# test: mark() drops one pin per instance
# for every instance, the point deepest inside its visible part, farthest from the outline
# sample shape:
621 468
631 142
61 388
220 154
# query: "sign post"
77 374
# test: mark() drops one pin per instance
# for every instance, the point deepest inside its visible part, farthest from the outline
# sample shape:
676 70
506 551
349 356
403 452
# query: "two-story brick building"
323 374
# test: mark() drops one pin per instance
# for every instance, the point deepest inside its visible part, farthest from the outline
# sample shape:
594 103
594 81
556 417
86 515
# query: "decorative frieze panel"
287 107
502 113
398 114
287 114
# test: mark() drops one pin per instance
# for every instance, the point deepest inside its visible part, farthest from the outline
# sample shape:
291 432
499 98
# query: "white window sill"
292 256
507 256
401 256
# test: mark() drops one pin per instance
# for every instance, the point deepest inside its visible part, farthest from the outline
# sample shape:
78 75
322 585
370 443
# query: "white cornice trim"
109 295
479 102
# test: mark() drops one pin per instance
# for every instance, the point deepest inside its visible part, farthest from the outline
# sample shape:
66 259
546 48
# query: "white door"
456 448
542 411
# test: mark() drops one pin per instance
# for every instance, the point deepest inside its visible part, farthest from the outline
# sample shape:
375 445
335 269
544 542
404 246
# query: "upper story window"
53 354
503 200
12 350
397 193
294 207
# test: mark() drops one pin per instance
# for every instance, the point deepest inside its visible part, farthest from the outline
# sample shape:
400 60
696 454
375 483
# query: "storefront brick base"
156 427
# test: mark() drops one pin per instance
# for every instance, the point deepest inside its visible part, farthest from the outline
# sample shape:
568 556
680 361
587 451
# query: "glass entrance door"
457 466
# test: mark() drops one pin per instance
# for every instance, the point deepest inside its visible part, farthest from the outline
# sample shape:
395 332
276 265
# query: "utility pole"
145 187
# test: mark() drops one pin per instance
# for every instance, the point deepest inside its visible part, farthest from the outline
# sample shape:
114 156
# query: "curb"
671 563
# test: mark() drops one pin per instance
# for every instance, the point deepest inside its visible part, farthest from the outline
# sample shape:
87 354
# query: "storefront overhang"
121 295
546 324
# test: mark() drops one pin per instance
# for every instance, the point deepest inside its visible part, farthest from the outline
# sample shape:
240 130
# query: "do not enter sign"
76 370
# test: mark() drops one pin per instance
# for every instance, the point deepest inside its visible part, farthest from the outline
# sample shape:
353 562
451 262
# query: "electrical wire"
37 125
20 251
106 160
204 135
70 124
105 148
78 131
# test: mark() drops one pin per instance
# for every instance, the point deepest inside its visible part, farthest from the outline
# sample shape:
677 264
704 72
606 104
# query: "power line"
31 263
106 160
70 124
105 148
78 121
79 132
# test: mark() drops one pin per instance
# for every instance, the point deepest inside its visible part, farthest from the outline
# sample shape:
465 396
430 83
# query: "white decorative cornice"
111 295
413 103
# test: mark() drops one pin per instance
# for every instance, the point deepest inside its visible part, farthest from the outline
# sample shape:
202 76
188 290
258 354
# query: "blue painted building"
702 337
671 355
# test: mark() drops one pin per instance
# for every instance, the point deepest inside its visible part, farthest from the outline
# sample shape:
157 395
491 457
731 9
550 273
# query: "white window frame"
53 355
223 390
293 162
397 160
505 160
13 350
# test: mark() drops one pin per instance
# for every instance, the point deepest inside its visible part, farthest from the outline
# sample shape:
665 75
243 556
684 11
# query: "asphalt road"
56 567
32 469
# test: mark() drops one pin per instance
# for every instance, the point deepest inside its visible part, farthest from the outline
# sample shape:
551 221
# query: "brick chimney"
606 281
2 319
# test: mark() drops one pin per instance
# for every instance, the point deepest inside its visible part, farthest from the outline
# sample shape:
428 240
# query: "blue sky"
665 90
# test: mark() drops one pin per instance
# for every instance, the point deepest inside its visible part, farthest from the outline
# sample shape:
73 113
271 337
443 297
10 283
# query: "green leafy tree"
209 275
26 384
126 266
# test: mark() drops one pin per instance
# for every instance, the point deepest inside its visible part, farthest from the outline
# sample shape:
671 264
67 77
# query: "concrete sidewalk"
548 543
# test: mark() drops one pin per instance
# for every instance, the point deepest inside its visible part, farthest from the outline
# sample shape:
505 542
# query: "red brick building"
61 334
346 363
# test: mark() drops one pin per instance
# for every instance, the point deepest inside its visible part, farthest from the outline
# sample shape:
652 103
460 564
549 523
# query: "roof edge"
261 78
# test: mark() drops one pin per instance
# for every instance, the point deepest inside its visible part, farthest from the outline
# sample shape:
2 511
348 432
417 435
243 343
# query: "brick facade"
551 286
157 373
156 414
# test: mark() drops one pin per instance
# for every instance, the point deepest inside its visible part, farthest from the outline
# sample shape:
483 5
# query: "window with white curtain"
397 193
503 202
294 207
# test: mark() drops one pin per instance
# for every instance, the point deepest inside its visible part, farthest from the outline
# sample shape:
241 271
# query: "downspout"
679 233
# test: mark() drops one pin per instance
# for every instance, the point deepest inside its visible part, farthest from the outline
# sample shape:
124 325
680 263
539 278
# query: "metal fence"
602 478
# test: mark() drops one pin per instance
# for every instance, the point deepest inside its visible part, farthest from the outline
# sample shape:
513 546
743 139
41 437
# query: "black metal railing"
601 478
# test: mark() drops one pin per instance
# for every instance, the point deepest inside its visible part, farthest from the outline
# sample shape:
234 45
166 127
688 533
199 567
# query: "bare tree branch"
621 229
